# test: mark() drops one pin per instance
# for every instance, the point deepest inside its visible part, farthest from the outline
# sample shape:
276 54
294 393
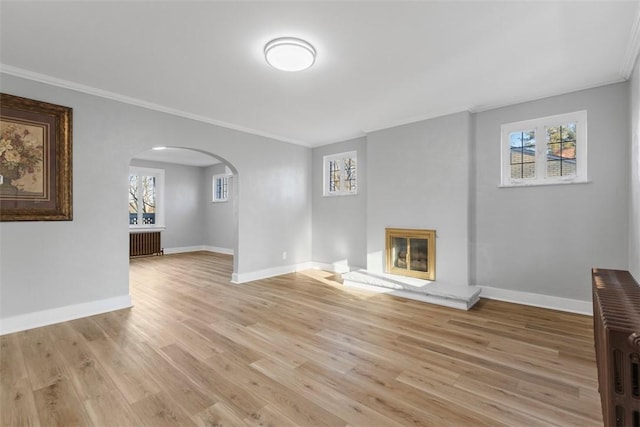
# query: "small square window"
340 174
220 188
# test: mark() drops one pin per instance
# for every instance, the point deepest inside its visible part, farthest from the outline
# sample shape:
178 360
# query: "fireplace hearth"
411 272
411 252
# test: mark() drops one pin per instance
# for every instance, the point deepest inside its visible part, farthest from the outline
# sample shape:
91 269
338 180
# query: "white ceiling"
379 64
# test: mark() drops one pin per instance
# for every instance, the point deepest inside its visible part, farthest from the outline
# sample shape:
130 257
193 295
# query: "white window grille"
221 187
146 194
548 150
340 174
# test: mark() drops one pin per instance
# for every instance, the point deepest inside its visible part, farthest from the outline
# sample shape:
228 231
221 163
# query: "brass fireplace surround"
411 252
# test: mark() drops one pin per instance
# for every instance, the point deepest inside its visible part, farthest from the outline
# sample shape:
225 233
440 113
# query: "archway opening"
187 197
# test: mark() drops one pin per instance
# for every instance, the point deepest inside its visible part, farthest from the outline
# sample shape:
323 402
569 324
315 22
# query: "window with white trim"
220 188
146 194
548 150
340 174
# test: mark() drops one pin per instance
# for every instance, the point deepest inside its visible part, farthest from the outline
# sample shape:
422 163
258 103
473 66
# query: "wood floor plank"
297 350
255 342
212 381
305 351
442 388
124 370
289 404
547 411
542 339
223 343
446 410
219 415
102 400
87 327
185 392
379 400
110 409
355 413
558 399
269 417
42 361
191 341
17 406
159 410
59 405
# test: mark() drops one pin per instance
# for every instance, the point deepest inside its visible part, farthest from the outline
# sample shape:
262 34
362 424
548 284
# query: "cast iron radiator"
145 244
616 327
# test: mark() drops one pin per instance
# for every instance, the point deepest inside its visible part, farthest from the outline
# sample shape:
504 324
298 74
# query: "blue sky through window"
522 139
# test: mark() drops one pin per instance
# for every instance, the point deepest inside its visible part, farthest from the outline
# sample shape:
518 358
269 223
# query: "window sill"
220 201
340 194
544 184
146 229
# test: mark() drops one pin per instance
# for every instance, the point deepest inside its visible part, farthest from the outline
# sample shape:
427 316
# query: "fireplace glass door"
411 252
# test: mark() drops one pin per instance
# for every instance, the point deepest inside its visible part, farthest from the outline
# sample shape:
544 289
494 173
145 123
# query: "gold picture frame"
35 160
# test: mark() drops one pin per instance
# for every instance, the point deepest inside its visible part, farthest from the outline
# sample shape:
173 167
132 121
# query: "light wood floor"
297 350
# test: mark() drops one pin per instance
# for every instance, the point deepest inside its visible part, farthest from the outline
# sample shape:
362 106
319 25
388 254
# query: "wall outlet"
284 255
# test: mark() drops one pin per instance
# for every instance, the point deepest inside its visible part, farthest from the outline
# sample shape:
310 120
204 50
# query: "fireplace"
411 252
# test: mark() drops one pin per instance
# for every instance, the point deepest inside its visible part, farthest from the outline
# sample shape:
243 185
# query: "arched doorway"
189 196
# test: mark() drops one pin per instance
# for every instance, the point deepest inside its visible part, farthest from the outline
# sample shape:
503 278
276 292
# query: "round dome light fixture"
289 54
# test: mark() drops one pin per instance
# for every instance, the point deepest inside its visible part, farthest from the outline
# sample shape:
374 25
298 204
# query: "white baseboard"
183 249
538 300
334 267
219 250
269 272
37 319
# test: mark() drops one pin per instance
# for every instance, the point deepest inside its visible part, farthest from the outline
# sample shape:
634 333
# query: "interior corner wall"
219 223
183 213
418 177
472 204
50 265
634 175
545 239
339 222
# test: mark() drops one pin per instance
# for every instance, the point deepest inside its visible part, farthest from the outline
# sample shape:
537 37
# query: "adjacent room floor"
299 350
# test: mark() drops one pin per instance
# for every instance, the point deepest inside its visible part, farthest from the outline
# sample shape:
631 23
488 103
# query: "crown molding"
520 100
479 108
390 124
66 84
633 47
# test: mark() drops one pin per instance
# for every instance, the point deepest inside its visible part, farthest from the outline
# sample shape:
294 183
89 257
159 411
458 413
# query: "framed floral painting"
35 160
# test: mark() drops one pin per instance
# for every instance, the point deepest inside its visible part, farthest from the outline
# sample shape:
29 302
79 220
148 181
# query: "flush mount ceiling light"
289 54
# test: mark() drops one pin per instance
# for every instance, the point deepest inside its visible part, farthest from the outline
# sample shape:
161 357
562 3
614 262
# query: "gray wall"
48 265
183 203
545 240
542 240
339 222
634 176
418 177
219 221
